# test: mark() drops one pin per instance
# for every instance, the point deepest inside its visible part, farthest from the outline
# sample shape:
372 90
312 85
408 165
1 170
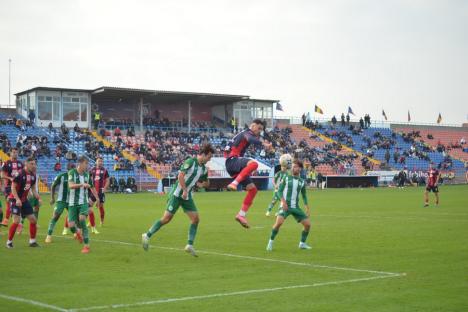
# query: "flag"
409 117
318 110
279 107
350 111
439 119
384 115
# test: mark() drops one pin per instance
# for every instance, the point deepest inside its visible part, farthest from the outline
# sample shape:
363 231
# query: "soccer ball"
286 160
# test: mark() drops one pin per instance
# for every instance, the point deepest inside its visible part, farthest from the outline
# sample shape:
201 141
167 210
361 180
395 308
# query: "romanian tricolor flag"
439 119
318 110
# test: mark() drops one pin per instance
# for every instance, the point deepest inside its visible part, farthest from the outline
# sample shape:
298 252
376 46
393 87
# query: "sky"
371 55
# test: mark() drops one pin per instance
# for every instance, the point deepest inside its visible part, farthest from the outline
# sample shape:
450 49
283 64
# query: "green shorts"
34 202
60 206
75 211
174 202
297 213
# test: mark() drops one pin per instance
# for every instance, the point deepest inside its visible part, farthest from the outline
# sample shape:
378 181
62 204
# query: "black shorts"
102 197
25 210
234 166
434 189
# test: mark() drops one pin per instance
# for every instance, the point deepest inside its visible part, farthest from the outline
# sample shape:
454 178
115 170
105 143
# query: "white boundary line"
381 274
235 293
248 257
33 302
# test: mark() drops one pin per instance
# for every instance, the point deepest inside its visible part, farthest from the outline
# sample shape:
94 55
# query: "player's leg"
32 229
191 210
173 204
426 197
84 229
58 210
275 229
247 166
16 211
73 213
102 200
247 203
7 211
65 225
436 193
92 219
304 234
272 204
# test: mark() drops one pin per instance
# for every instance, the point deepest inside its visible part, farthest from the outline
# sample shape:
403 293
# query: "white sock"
242 213
9 241
32 240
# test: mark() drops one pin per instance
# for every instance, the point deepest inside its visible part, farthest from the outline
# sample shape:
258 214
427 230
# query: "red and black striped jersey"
24 181
240 142
12 168
99 176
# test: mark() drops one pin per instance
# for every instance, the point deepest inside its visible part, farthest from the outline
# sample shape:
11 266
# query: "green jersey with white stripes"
279 177
194 172
78 196
61 181
291 188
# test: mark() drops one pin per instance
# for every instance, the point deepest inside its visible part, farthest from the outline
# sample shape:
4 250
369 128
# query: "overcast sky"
371 55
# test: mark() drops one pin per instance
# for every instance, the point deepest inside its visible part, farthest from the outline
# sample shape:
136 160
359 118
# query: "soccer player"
241 168
289 191
20 206
279 176
101 181
192 172
60 182
10 170
433 176
79 183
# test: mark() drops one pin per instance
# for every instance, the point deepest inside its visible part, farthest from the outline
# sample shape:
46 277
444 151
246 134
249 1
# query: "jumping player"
20 206
60 182
101 181
433 176
290 189
241 168
193 172
11 169
279 177
79 183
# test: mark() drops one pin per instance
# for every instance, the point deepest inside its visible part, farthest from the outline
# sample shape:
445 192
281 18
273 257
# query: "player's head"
31 165
70 166
205 153
99 162
82 163
297 167
14 153
257 126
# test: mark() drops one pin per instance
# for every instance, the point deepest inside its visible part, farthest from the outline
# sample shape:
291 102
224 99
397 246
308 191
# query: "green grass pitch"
373 250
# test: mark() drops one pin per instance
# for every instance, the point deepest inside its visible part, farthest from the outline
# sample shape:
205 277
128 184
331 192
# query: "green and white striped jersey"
194 172
279 177
290 189
62 182
78 196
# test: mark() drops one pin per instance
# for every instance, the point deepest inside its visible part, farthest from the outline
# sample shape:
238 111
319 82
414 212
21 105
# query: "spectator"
333 120
32 117
347 119
114 186
122 185
58 166
387 156
117 132
343 123
131 184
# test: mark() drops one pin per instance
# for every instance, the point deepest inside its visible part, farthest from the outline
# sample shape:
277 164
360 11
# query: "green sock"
72 229
192 232
36 214
156 226
22 220
273 234
52 223
1 215
304 236
84 230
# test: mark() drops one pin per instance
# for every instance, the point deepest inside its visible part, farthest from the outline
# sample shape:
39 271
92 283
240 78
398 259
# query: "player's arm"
304 199
52 190
203 182
106 184
437 181
15 193
93 190
258 141
35 193
280 195
181 176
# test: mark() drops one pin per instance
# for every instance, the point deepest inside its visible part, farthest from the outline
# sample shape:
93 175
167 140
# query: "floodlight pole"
141 114
9 83
189 116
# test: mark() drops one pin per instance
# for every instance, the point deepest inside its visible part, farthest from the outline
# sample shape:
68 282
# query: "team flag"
439 119
409 117
279 106
350 111
318 110
384 115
